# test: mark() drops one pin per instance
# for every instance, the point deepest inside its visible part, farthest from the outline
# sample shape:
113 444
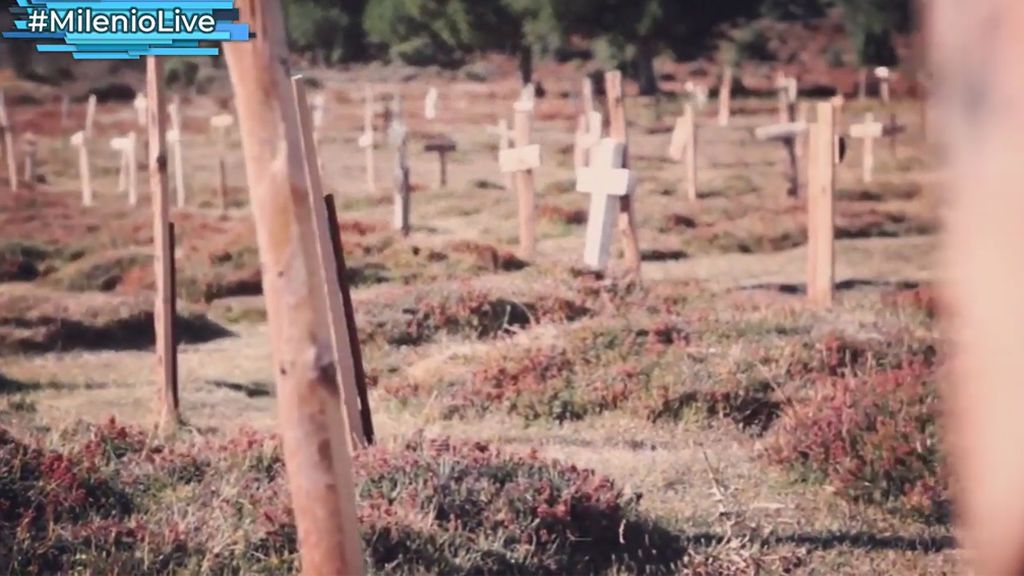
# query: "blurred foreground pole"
976 49
316 451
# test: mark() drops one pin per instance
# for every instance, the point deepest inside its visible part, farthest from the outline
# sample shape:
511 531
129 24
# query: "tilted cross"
603 179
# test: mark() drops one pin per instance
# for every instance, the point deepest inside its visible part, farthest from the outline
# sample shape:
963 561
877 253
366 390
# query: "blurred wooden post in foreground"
315 440
979 94
8 135
619 132
163 312
521 161
820 191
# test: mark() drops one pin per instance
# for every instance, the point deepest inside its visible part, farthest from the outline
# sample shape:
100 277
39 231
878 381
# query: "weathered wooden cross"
589 126
604 179
521 161
619 131
442 146
220 125
788 90
127 178
8 135
684 142
725 97
367 140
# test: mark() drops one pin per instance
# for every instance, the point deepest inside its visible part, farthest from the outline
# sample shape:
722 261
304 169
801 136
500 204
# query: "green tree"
330 30
871 25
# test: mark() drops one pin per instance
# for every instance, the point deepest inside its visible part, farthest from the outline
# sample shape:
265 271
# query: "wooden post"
521 161
65 108
8 135
341 338
30 147
725 98
368 140
883 74
604 179
141 104
684 142
441 146
619 132
782 94
220 125
174 137
318 462
402 189
588 96
980 99
820 211
90 115
163 312
504 135
350 318
430 104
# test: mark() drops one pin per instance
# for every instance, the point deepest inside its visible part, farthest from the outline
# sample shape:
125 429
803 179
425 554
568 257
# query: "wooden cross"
820 207
30 147
80 141
367 141
521 161
402 187
430 104
442 146
603 179
868 131
141 107
884 75
788 90
619 131
163 242
8 135
725 98
504 134
787 133
220 125
127 180
174 140
684 141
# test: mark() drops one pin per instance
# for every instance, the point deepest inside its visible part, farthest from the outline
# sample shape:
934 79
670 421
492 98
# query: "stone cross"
605 180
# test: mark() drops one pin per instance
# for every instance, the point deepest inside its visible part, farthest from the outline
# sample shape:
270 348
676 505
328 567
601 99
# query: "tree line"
627 33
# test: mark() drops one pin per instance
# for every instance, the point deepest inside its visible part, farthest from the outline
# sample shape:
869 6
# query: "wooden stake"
725 98
619 132
684 142
90 115
8 134
31 147
65 107
220 125
334 226
521 161
174 137
318 462
820 211
368 140
862 85
80 141
344 354
588 96
163 312
402 188
883 74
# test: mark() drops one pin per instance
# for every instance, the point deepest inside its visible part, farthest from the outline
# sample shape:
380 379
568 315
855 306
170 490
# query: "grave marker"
604 179
504 134
141 105
725 98
684 142
65 108
884 75
442 147
163 259
315 446
220 125
430 104
90 115
619 131
698 93
127 180
30 147
789 134
521 161
367 141
8 135
80 141
868 131
402 187
174 138
820 208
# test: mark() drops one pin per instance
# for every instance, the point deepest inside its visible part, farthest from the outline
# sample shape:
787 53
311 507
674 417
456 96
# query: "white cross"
603 179
780 131
430 104
868 131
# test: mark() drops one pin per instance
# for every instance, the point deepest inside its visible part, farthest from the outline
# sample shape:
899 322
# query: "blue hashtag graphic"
37 20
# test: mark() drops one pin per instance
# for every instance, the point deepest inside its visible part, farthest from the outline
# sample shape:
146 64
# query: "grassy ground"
712 391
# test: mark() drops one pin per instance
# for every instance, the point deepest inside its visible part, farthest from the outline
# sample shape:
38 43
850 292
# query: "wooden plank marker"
725 97
174 140
341 338
868 131
402 187
884 76
430 104
220 125
126 147
820 208
619 131
521 162
442 146
30 147
163 259
368 139
684 146
315 444
604 179
8 135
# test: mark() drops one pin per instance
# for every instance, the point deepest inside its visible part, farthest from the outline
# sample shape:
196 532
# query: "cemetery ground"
730 427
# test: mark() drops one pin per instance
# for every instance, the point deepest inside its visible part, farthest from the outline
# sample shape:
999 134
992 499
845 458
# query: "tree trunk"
644 67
